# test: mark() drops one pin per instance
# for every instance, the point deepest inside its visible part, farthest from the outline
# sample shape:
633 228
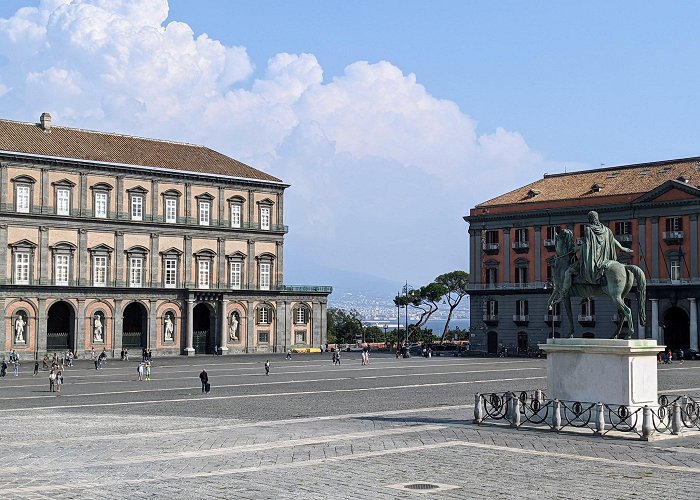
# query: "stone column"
83 193
655 319
188 202
118 326
3 255
41 326
222 208
316 324
153 324
250 272
279 275
506 255
249 327
223 323
324 326
154 261
693 324
187 256
4 187
119 259
283 327
80 327
220 263
538 254
120 197
189 349
45 186
655 247
693 246
280 209
44 256
83 268
251 207
154 200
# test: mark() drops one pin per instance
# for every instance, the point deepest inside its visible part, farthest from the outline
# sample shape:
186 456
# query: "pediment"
101 248
23 244
673 190
64 183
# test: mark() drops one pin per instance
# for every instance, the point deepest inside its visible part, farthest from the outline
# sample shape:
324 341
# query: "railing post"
556 415
478 409
647 423
516 413
600 419
676 423
538 395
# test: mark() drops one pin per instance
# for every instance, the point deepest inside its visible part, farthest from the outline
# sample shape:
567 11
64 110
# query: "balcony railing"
673 235
624 238
521 318
521 246
616 318
490 248
548 318
586 318
549 243
490 318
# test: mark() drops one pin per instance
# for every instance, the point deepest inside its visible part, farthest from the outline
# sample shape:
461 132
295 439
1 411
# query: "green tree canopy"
456 283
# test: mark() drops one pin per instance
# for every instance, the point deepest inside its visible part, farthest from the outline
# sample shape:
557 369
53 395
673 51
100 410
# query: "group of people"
365 356
100 360
55 379
336 357
144 368
146 355
124 356
667 357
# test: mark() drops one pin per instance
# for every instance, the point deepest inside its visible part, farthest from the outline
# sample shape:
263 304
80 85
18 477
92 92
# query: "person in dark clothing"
3 368
267 367
36 367
204 377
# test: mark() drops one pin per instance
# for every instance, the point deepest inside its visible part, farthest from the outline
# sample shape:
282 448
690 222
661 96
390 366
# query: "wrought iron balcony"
521 246
549 243
490 318
673 236
548 318
586 318
490 248
521 318
616 318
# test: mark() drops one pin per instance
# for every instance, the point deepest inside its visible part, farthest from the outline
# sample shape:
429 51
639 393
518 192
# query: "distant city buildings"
651 208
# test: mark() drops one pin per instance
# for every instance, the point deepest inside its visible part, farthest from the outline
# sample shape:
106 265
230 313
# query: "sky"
390 119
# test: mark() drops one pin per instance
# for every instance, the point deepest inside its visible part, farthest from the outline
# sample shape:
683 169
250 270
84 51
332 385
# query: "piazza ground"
314 430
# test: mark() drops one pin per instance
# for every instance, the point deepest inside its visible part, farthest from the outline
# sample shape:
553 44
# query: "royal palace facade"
110 241
651 208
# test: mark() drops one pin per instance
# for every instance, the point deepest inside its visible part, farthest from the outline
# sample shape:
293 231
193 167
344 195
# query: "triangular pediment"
673 190
101 248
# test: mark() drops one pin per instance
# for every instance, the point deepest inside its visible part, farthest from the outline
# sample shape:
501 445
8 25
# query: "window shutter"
495 307
526 311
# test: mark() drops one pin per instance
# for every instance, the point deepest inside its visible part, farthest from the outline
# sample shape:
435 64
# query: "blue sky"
389 118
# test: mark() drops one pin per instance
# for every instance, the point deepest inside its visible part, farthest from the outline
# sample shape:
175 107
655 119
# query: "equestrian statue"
599 273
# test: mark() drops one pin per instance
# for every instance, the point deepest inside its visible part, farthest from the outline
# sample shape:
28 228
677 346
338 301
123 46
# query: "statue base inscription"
621 372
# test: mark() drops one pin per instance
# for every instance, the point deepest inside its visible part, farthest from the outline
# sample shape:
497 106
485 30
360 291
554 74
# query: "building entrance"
59 327
203 326
676 329
134 327
492 342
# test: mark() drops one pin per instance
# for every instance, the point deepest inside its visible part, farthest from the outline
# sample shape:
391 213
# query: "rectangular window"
170 210
61 270
521 235
235 215
265 218
135 272
301 316
552 232
622 228
63 202
170 273
521 274
263 316
101 205
521 308
204 208
492 308
263 337
23 199
22 268
236 271
675 269
264 276
99 271
300 338
674 224
203 273
136 208
492 275
588 308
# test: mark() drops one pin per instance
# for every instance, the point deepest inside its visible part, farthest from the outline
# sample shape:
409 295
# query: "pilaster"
83 268
187 245
693 323
251 207
249 327
188 202
41 325
223 337
221 215
220 262
3 253
80 332
654 319
118 326
83 193
538 253
655 250
153 324
44 257
189 334
119 258
45 187
154 200
120 197
693 245
250 272
154 260
4 185
279 278
506 255
642 236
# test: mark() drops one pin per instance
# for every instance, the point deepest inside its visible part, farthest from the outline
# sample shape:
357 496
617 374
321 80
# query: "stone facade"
116 254
652 208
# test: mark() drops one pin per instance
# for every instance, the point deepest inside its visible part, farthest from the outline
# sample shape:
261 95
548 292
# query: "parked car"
687 354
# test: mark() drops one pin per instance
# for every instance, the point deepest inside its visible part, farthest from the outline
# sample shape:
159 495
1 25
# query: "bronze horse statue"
618 282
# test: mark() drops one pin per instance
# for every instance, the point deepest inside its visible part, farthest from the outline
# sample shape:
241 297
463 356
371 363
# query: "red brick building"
652 208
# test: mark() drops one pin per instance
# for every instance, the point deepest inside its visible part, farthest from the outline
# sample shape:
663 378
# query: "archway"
135 326
492 342
60 327
676 329
203 339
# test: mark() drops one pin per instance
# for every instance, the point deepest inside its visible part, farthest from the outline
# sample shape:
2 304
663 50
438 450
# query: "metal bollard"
509 405
600 419
676 423
478 409
538 395
647 423
556 415
516 413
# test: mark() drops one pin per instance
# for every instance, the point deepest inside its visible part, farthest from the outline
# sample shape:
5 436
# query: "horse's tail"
641 292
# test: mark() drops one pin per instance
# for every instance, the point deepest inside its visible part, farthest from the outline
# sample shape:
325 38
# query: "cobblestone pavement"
315 430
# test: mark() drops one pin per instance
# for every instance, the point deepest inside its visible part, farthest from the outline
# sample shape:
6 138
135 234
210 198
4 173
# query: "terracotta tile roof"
604 182
65 142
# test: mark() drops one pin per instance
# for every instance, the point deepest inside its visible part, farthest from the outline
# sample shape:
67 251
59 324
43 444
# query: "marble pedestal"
619 372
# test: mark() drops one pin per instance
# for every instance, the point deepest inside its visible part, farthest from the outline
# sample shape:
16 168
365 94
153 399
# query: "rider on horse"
599 247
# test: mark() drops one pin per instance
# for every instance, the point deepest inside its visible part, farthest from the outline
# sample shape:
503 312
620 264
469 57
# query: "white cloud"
370 154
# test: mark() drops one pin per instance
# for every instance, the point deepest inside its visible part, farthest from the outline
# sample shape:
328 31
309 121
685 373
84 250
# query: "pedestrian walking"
139 370
92 353
45 362
215 352
267 367
148 370
97 364
36 367
289 354
15 368
59 381
52 381
680 355
3 368
126 354
337 357
204 377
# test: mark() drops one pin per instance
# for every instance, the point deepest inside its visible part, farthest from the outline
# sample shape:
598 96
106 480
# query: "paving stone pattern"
313 430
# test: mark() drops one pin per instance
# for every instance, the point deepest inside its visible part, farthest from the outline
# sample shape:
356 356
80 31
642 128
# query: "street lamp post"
406 291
